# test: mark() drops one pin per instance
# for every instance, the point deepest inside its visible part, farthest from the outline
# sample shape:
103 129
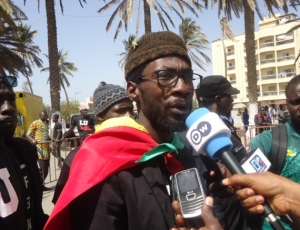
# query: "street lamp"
75 95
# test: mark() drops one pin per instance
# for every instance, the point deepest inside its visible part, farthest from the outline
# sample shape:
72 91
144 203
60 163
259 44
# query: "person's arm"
30 133
256 120
281 193
208 216
269 119
68 132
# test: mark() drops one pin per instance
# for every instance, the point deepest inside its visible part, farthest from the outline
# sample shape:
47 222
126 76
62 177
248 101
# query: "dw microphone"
208 133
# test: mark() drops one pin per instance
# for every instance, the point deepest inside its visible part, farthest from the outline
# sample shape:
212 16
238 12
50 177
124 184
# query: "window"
285 54
270 72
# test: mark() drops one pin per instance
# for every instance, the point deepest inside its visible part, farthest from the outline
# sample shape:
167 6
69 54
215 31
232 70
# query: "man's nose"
181 86
7 108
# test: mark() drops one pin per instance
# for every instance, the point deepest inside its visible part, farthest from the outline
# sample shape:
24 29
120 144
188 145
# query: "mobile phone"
188 191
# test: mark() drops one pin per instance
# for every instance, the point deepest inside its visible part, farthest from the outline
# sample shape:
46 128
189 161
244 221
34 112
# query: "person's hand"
225 172
208 216
35 142
261 186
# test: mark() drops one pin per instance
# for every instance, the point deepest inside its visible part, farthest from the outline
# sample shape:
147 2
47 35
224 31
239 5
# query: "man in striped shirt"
38 133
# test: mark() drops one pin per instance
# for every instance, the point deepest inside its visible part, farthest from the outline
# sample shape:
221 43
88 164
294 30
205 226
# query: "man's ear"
218 99
133 91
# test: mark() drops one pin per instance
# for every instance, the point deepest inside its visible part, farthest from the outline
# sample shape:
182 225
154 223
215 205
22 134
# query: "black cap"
214 85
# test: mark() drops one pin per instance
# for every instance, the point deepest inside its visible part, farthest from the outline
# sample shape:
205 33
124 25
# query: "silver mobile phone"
187 189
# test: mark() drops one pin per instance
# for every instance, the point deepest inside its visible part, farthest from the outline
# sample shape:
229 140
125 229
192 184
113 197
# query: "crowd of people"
119 178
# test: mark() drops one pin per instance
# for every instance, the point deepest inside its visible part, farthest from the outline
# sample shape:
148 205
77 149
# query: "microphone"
208 133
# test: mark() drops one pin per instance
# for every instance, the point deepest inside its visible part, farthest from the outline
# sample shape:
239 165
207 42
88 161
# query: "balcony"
285 58
265 61
286 75
282 91
234 96
269 93
267 44
268 77
282 42
231 67
233 81
230 53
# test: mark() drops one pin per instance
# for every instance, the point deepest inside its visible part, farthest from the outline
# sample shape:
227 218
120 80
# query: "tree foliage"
125 10
127 44
195 41
64 109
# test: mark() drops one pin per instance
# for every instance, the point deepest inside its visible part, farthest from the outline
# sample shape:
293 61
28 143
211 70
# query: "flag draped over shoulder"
118 145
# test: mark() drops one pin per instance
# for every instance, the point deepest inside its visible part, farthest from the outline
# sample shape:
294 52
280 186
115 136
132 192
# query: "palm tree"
247 7
127 44
65 68
30 51
226 34
125 11
53 52
10 61
195 41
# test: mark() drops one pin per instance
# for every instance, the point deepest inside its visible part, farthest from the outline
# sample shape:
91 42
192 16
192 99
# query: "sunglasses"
9 81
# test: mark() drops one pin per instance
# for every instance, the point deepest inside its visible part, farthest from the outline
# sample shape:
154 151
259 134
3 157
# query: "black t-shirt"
85 125
57 128
20 187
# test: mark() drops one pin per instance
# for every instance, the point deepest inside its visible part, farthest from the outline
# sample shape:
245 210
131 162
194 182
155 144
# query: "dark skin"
293 105
8 114
210 220
122 108
162 96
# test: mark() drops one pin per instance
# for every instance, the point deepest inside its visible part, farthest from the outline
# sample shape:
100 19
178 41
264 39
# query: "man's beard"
159 118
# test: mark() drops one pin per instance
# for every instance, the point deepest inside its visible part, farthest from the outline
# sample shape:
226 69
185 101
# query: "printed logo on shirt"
291 153
8 198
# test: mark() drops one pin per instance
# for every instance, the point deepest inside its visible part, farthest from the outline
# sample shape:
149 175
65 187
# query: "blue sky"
81 32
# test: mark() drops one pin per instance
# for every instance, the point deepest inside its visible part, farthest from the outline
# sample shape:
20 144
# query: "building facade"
276 52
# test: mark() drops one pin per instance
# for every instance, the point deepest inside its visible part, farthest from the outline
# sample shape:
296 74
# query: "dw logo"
203 129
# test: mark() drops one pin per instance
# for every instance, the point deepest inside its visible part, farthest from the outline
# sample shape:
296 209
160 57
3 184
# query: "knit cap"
106 95
152 46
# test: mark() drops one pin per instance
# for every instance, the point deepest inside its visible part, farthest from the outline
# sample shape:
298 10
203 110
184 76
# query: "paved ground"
51 181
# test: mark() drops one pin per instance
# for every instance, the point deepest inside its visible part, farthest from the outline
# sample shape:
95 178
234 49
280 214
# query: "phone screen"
187 181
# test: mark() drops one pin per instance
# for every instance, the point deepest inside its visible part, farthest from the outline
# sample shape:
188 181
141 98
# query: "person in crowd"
245 119
124 181
215 94
267 110
57 135
264 140
38 134
109 101
282 194
20 183
84 123
272 113
262 119
281 118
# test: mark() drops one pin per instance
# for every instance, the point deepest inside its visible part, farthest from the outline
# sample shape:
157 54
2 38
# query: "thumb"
208 215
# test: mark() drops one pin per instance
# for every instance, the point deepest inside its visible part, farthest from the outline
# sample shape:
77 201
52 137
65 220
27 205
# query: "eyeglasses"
10 81
169 78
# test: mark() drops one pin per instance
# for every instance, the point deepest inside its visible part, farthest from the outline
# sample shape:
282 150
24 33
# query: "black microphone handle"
234 167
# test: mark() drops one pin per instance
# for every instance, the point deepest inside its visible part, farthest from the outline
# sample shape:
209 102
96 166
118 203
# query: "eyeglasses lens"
10 81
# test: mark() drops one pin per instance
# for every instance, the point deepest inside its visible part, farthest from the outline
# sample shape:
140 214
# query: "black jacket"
18 157
136 198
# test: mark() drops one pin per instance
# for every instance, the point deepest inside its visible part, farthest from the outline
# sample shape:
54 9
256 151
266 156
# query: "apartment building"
275 52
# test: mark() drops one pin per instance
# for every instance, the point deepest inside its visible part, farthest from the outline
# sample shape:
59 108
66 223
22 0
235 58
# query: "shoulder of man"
262 141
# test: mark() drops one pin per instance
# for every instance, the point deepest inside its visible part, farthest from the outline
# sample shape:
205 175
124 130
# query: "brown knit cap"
152 46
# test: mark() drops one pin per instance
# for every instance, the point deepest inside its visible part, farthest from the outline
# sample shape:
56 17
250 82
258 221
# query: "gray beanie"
106 95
